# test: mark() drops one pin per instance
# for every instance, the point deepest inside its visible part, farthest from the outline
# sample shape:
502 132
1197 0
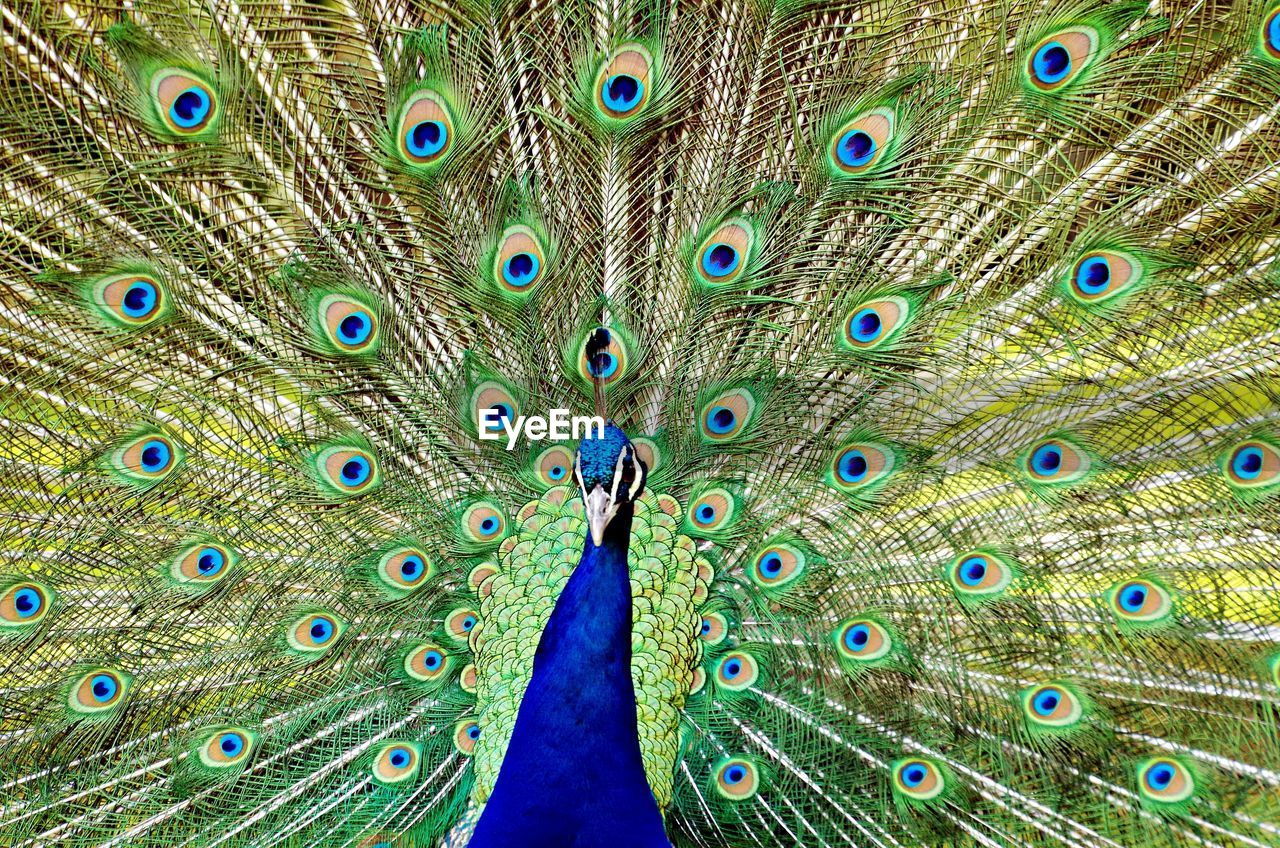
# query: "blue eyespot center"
355 328
706 626
865 325
1160 776
733 668
155 456
210 561
557 472
104 688
1132 598
231 744
706 514
426 138
503 412
735 774
856 637
488 525
721 419
27 602
771 565
469 622
1094 275
190 108
1046 702
1046 460
355 471
399 758
973 570
1052 63
139 299
473 732
853 466
856 148
1273 32
720 259
321 630
520 269
604 365
622 92
913 775
412 567
432 660
1247 462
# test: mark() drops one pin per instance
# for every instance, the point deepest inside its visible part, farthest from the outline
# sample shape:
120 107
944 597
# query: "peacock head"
609 474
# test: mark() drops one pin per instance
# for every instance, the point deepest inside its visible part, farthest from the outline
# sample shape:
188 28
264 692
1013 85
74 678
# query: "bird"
719 424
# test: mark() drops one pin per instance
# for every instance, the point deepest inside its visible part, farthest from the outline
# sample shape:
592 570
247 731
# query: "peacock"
927 357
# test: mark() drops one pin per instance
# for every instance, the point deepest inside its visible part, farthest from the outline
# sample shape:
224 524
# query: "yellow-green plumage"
669 582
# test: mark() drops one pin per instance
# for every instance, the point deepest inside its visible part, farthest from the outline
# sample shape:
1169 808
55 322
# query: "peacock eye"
130 300
187 105
1061 57
23 604
425 134
623 85
859 145
1271 34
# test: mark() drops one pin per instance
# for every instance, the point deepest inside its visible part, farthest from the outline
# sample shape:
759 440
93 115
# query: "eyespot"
863 640
610 363
714 628
131 300
1140 602
146 458
460 622
872 324
23 604
1163 780
202 563
492 396
727 416
1052 706
648 452
347 470
918 779
724 256
1060 58
554 466
468 678
349 325
980 575
397 762
1055 462
859 145
520 261
777 565
483 523
737 670
402 570
226 747
736 778
315 633
624 84
477 576
427 663
1270 35
861 466
1252 464
1103 274
425 133
98 692
187 105
712 510
466 734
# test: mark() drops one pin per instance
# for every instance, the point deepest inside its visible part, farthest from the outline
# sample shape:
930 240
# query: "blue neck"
572 776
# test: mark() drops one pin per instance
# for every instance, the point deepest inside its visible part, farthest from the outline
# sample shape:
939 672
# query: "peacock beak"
601 508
